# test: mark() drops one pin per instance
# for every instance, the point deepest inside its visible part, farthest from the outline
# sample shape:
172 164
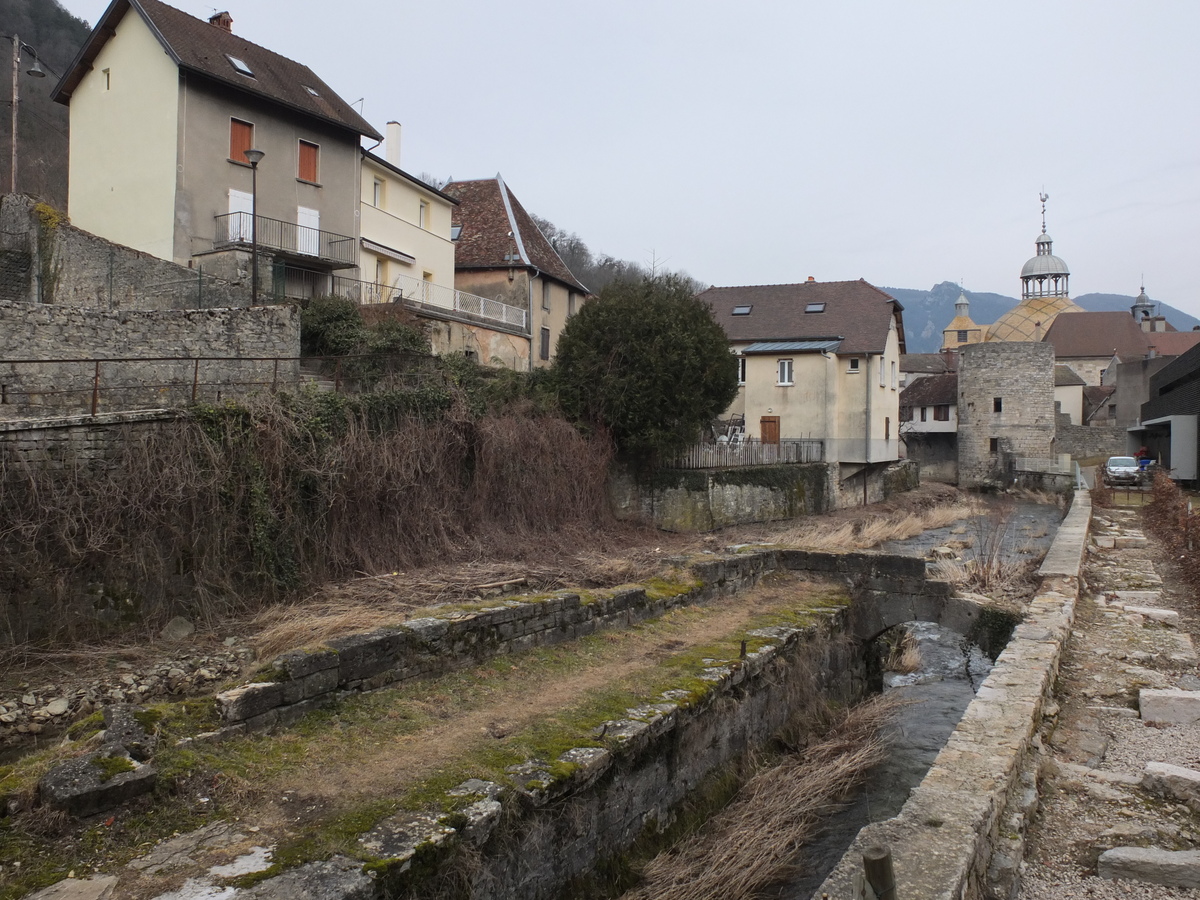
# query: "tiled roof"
936 390
1172 343
196 46
1064 376
854 310
928 363
496 225
1097 334
1030 319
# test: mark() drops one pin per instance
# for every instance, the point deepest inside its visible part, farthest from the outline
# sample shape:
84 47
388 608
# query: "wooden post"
877 864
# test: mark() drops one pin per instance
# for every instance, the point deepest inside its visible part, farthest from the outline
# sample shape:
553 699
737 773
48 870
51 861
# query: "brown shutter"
241 139
308 162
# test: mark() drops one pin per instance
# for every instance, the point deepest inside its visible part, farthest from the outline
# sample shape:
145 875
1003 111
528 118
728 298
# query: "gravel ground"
1096 752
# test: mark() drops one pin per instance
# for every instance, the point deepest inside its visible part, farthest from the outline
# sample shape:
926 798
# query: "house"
501 255
914 366
1168 427
929 425
1068 393
163 109
1087 341
817 360
962 329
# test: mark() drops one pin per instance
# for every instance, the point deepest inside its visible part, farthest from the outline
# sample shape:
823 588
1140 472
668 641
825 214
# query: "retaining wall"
960 836
87 440
1083 441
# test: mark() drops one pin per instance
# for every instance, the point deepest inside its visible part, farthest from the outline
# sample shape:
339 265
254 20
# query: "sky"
765 142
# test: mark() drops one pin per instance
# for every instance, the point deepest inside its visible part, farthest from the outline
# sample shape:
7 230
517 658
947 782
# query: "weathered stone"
57 707
397 839
178 629
81 788
335 879
122 727
249 700
1162 616
302 663
99 888
1169 707
1171 781
1170 868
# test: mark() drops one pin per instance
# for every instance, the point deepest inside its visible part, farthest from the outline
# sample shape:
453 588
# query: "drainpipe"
536 272
825 413
867 429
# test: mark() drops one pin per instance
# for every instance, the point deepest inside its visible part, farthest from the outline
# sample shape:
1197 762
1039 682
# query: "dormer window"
455 232
742 310
312 90
815 308
240 66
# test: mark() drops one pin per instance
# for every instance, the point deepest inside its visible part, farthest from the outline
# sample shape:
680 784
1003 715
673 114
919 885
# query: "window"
570 303
785 371
924 411
814 308
545 348
741 370
893 376
997 404
962 337
994 446
377 193
887 428
309 156
455 232
545 295
742 310
852 365
941 412
312 90
240 66
882 372
380 271
107 73
423 215
241 139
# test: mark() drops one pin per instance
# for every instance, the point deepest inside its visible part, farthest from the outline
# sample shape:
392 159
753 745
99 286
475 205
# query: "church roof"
1032 318
1097 334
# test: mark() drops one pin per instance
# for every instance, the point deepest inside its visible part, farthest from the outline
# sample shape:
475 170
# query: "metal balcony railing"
235 230
739 451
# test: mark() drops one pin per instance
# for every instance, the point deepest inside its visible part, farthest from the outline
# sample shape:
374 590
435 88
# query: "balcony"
234 230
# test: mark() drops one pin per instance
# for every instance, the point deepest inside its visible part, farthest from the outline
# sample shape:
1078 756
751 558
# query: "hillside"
55 36
926 313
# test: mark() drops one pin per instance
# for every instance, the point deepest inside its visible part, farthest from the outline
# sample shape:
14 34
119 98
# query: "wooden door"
768 429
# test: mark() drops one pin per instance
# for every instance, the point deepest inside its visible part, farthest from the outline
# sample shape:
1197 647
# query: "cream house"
817 360
163 109
501 255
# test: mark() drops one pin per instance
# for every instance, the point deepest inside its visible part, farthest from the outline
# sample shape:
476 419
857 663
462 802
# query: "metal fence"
750 452
235 229
32 388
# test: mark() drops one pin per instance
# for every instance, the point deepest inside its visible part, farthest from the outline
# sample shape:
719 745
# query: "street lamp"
255 157
36 71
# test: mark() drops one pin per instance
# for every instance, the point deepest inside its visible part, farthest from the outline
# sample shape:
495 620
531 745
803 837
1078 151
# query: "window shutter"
308 162
241 139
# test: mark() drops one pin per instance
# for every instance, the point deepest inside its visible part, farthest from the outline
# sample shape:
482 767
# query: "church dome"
1045 263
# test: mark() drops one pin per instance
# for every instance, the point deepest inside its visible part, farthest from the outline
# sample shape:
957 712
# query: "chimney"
811 280
222 20
393 143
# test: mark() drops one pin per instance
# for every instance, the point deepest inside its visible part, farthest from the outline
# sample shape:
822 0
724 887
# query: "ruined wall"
1084 441
246 339
44 259
1021 376
491 345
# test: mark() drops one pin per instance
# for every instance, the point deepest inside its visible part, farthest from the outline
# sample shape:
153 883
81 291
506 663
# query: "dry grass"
752 844
876 530
905 657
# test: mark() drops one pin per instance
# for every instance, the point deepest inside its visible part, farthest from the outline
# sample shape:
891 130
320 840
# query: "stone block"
302 663
363 655
1162 616
1169 706
335 879
83 787
249 700
1174 782
99 888
1170 868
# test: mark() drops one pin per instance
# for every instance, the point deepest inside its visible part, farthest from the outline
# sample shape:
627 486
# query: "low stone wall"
247 340
696 501
86 440
1084 441
960 836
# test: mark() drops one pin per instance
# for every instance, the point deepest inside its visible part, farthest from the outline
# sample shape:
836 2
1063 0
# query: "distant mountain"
926 313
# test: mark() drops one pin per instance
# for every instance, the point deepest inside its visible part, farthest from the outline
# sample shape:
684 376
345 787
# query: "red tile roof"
929 363
1097 334
495 227
854 310
934 390
1172 343
196 46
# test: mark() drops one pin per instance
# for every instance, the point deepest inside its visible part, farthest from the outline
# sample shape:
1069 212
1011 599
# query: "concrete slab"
1170 706
1175 782
1170 868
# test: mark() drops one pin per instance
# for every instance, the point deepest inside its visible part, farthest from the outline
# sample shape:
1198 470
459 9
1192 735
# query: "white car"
1122 470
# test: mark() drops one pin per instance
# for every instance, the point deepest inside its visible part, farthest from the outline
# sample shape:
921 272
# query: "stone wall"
961 833
1020 375
44 259
1084 441
696 501
936 453
246 342
86 440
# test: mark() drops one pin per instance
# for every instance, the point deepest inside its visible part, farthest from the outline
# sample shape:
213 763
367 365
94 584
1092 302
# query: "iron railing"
750 452
235 230
32 388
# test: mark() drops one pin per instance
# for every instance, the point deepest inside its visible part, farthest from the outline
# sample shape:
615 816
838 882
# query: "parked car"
1122 470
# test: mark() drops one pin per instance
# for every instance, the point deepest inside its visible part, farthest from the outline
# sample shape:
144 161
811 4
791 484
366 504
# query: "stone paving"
1120 767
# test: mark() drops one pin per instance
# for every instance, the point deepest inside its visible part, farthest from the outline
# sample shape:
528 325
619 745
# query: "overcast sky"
763 142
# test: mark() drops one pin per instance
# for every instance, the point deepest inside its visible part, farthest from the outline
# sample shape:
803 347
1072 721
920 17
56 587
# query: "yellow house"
817 360
501 255
164 108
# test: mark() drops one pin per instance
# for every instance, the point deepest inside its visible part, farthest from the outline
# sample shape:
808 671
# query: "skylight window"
742 310
455 231
312 90
814 308
239 65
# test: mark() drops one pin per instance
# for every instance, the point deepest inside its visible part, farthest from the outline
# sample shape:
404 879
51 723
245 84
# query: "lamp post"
255 157
36 71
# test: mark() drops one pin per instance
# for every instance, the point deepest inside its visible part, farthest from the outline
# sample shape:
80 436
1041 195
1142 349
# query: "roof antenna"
1044 197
